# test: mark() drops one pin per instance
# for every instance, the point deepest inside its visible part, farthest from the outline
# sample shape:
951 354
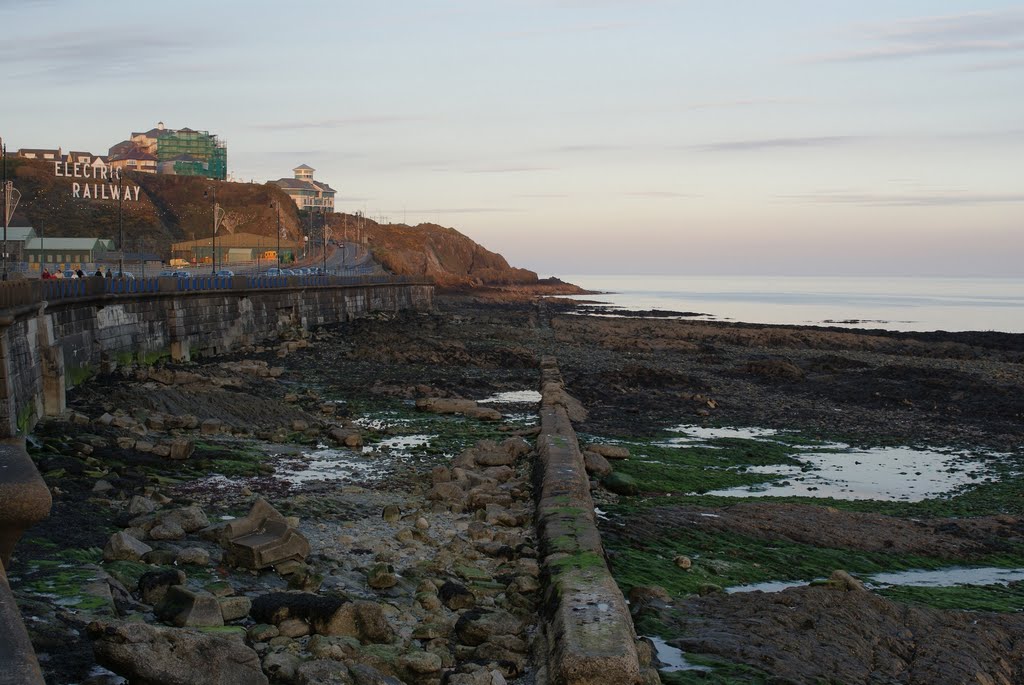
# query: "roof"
228 240
304 167
20 232
302 184
39 150
67 243
134 153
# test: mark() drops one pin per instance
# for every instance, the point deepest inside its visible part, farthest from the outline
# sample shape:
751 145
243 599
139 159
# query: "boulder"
179 449
477 626
123 547
596 464
183 607
381 577
326 615
196 556
323 672
609 451
152 654
456 596
153 584
447 405
621 484
190 518
363 674
140 505
234 608
262 539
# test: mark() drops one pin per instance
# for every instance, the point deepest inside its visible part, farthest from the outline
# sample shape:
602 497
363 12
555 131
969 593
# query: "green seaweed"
961 597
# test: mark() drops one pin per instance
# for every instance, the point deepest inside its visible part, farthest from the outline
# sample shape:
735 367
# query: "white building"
306 192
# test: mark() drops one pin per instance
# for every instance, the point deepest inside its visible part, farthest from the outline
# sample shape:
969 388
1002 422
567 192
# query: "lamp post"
120 224
277 205
325 241
218 215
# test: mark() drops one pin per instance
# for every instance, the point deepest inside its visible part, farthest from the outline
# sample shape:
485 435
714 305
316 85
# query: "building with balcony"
181 152
306 192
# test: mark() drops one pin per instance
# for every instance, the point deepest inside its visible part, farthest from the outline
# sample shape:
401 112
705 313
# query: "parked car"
274 271
225 273
176 273
125 274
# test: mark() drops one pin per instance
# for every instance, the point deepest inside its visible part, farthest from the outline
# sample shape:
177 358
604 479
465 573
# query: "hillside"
176 208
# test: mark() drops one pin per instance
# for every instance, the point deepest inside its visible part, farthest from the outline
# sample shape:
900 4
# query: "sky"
776 137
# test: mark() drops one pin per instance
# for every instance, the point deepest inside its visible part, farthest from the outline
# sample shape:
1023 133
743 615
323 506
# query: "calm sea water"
905 304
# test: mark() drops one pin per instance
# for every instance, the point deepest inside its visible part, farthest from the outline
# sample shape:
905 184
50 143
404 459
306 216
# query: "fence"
26 292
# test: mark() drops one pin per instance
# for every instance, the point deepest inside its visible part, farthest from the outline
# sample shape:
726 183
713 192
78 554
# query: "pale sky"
579 136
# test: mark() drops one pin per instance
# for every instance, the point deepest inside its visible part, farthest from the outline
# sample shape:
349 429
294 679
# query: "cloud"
658 195
565 29
459 210
932 199
963 34
777 143
509 170
998 65
102 53
371 120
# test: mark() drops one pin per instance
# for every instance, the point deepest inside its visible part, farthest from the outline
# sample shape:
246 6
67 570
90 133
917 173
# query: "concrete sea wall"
47 348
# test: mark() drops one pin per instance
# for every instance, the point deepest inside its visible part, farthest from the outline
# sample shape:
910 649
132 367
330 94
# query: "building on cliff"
306 192
181 152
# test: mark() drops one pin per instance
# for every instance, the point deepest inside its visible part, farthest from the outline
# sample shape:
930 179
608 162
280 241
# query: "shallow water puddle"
883 473
327 464
399 443
673 657
767 586
693 433
948 577
512 397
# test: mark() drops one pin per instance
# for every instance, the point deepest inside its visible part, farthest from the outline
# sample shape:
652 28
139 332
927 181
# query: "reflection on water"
882 473
767 586
672 657
947 577
512 397
698 433
327 464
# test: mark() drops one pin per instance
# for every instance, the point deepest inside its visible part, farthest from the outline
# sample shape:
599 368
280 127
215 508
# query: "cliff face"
451 258
175 208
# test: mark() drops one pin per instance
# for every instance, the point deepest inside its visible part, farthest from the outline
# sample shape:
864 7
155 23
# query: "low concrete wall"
589 632
48 348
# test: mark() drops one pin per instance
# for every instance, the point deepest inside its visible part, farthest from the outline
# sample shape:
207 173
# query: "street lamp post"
120 224
277 205
218 215
325 241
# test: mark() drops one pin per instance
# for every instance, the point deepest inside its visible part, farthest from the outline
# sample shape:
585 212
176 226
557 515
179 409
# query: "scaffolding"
192 153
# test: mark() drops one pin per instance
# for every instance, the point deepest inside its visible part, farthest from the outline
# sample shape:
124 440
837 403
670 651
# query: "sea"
889 303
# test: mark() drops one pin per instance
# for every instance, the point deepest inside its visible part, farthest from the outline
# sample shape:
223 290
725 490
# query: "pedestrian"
110 272
79 274
58 274
46 274
99 272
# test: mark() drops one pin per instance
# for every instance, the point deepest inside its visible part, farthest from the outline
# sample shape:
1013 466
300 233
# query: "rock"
683 562
368 675
262 632
151 654
381 577
294 627
191 519
326 615
440 474
196 556
169 530
161 557
183 607
844 581
211 426
609 451
281 666
105 419
262 538
335 647
234 608
126 443
476 626
418 663
162 451
179 449
621 484
596 465
456 596
124 547
445 405
422 523
323 672
102 486
153 584
446 492
391 513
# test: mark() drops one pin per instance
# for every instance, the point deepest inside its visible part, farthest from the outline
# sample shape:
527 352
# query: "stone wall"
47 349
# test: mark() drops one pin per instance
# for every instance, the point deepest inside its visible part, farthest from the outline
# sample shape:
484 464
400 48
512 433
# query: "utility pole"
120 224
277 205
218 215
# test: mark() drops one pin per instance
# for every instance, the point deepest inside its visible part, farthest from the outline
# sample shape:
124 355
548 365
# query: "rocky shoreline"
424 530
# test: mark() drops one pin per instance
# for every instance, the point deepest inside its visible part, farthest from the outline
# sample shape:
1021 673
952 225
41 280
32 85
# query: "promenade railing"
19 293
